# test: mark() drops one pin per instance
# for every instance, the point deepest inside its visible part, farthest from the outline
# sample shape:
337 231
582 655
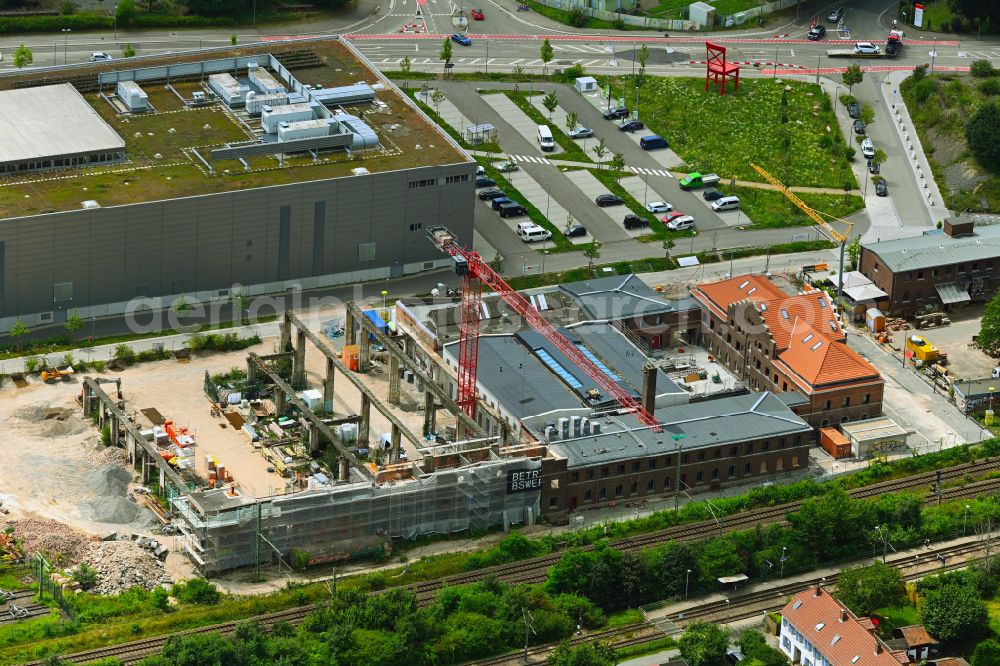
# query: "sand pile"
111 505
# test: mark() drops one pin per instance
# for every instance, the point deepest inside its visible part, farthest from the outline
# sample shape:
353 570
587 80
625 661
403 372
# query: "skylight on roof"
597 362
751 291
833 325
795 606
817 345
855 658
822 302
556 367
784 313
836 639
807 338
745 283
819 627
763 307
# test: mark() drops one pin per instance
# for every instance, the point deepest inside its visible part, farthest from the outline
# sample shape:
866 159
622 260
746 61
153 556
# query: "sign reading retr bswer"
522 481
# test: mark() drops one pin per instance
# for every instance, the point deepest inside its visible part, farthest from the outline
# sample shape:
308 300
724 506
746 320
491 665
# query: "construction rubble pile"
107 455
49 537
121 565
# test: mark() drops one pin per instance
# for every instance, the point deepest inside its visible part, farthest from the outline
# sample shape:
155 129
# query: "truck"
921 350
893 47
695 180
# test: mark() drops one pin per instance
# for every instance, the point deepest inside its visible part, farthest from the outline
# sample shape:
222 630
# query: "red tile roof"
916 636
847 643
814 361
813 307
720 295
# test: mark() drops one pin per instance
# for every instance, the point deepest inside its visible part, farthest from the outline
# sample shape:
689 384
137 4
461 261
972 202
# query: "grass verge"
573 151
770 209
451 131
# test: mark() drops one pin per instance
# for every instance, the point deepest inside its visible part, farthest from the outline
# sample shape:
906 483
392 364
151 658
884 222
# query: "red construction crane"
475 273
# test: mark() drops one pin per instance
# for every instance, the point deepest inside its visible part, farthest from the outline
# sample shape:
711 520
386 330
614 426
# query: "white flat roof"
49 121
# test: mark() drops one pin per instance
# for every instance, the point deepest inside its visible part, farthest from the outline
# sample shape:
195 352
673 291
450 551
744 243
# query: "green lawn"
672 8
899 617
770 209
937 16
724 134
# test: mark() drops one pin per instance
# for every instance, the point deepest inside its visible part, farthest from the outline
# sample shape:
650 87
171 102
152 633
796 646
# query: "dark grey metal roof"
710 423
621 356
621 296
937 249
792 398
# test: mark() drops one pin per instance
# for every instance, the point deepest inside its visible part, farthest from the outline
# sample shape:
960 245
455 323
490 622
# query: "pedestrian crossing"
650 172
980 55
530 158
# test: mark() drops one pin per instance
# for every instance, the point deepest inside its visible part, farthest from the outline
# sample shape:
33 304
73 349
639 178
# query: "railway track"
536 570
631 634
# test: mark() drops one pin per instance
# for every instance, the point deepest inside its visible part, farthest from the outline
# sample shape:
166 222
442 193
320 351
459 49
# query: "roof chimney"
843 615
878 647
819 591
649 387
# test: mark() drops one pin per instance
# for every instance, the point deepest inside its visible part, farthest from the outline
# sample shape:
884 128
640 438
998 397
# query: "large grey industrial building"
150 219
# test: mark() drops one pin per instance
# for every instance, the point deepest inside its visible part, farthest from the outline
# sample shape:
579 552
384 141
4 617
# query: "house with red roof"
788 343
818 630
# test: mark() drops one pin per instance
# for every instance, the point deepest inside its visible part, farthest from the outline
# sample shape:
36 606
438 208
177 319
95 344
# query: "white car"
659 207
681 223
868 148
97 56
866 47
581 132
480 170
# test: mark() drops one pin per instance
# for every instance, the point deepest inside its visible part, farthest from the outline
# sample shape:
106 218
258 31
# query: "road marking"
651 172
529 158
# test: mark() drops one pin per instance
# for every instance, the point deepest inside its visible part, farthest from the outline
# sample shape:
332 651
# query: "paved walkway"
448 112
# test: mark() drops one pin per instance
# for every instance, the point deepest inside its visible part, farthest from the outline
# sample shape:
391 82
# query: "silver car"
580 132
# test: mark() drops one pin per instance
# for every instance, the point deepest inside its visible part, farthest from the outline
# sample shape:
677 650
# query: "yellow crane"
840 237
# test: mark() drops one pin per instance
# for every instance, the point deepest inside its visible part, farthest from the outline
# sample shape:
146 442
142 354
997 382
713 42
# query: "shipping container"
875 320
349 357
835 443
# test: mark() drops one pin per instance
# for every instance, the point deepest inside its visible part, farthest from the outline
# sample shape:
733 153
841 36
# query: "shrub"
300 560
197 591
124 355
572 73
982 69
85 576
98 366
618 24
160 599
990 87
923 89
67 7
578 18
32 364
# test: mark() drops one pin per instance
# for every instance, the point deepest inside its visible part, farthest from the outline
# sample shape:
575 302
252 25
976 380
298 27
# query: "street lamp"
66 32
115 10
965 518
687 579
781 572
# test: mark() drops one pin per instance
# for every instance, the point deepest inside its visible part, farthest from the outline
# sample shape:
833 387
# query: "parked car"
603 200
881 187
726 203
615 113
485 181
873 168
868 148
859 127
477 15
505 167
633 221
653 142
489 194
581 132
499 201
817 32
866 48
678 221
98 56
712 194
659 207
631 126
480 170
836 14
853 110
576 229
513 209
533 232
461 39
734 656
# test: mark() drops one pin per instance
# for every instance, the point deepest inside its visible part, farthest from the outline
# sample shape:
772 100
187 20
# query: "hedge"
92 21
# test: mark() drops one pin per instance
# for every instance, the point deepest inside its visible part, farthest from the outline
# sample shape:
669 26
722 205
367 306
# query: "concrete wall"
262 239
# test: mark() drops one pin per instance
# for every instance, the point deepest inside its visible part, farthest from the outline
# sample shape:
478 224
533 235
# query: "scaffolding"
347 520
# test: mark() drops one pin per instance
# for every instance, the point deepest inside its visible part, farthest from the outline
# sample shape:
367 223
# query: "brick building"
946 268
778 342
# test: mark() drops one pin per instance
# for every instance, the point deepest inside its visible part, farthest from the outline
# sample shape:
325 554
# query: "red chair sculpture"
719 70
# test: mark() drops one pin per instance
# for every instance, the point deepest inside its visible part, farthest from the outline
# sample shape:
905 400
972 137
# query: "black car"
631 126
576 229
881 187
859 127
603 200
489 194
712 194
615 114
633 221
485 181
499 201
512 209
853 110
872 168
817 32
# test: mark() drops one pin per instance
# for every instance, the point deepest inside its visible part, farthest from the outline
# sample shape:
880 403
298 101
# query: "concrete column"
130 446
146 466
408 346
86 401
115 429
350 335
286 332
429 415
393 379
364 424
313 439
364 352
299 360
251 372
328 385
279 402
396 437
344 474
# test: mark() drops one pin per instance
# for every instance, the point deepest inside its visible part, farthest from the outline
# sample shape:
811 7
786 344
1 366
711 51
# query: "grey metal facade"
97 260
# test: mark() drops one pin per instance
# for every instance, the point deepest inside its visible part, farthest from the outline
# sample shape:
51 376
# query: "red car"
671 216
477 14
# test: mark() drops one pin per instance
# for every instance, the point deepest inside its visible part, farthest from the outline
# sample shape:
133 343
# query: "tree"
879 157
718 558
86 576
569 223
704 644
125 12
436 98
547 53
854 252
953 613
976 9
982 69
18 330
571 120
592 252
233 39
497 263
989 327
867 114
852 76
128 51
404 67
550 102
864 589
668 245
987 653
446 54
667 567
585 654
755 649
67 7
577 17
600 149
23 57
981 134
73 321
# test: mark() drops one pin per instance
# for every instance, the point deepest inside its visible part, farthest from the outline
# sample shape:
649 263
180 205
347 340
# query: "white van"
726 203
534 233
97 56
545 140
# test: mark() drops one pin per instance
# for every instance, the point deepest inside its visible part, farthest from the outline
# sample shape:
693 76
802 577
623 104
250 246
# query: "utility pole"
528 629
678 438
784 557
